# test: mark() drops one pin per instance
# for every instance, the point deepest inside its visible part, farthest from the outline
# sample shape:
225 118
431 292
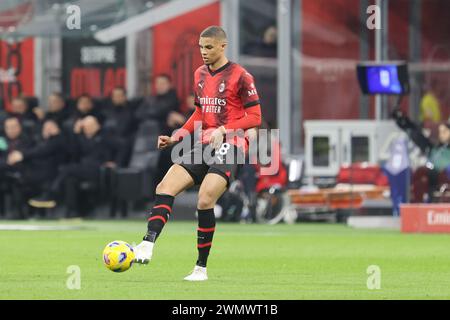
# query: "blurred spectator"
33 105
57 109
28 119
438 154
430 107
190 105
120 121
161 104
119 117
85 107
162 107
42 161
91 149
21 110
13 140
176 119
266 47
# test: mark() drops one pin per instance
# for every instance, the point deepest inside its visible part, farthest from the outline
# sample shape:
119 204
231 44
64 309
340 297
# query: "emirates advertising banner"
425 218
93 68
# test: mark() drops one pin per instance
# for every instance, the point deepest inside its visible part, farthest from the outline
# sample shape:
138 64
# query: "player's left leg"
174 182
212 187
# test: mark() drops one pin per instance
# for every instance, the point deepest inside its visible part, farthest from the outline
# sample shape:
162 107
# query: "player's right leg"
176 180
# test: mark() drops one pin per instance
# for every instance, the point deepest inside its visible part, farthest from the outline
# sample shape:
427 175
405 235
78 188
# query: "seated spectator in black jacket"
41 162
120 120
159 106
21 110
91 149
13 140
27 117
119 117
57 110
85 107
175 120
264 47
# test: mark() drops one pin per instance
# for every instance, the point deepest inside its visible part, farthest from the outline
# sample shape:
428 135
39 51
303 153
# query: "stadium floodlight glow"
385 77
149 18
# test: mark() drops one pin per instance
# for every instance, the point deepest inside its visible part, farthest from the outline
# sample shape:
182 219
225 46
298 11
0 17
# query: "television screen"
383 78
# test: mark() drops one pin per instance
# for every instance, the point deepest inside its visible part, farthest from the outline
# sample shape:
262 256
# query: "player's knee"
205 200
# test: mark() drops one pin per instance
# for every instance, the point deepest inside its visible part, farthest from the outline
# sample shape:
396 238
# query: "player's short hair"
214 32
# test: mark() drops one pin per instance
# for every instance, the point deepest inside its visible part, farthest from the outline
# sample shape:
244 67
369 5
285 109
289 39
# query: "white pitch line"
21 227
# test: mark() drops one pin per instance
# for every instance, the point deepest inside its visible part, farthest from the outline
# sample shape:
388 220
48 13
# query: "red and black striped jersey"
225 97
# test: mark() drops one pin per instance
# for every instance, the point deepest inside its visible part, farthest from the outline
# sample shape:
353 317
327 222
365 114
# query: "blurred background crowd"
81 109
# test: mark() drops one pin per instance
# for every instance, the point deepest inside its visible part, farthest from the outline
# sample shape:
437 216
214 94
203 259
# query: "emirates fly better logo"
212 105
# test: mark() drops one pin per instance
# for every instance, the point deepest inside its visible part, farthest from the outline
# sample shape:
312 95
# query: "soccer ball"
118 256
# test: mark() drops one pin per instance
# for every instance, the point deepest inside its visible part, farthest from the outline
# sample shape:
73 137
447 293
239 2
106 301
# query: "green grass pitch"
302 261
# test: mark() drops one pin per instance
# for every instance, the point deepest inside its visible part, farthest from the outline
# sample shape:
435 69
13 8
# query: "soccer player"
226 100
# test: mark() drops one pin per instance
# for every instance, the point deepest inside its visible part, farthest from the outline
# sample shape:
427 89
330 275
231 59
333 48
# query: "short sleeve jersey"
223 96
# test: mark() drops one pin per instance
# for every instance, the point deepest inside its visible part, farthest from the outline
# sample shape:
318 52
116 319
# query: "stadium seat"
3 191
96 192
362 173
136 182
12 190
442 195
420 186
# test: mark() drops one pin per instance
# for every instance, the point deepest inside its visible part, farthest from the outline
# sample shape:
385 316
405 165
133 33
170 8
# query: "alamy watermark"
73 282
374 278
374 20
73 20
263 149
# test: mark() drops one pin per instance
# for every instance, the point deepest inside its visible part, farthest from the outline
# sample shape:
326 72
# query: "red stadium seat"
362 173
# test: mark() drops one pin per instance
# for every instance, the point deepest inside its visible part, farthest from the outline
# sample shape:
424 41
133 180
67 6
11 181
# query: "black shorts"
202 159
